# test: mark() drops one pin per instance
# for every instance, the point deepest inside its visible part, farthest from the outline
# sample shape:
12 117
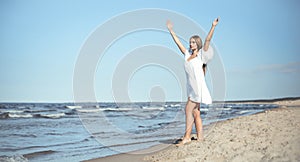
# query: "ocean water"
68 132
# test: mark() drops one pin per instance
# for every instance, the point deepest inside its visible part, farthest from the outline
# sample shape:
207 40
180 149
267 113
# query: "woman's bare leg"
189 119
198 123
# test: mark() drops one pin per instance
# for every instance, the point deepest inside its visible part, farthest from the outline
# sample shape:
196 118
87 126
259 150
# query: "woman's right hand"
176 39
169 25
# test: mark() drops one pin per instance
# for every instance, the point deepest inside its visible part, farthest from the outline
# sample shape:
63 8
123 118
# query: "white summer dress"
197 89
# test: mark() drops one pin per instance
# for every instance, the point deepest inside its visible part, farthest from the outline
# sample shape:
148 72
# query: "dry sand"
269 136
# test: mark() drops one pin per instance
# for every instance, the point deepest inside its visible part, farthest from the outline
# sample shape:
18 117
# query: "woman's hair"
198 41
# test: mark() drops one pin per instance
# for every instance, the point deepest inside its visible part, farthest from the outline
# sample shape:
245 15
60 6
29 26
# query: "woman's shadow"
177 141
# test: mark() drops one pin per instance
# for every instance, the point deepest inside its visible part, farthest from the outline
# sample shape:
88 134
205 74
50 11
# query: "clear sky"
40 41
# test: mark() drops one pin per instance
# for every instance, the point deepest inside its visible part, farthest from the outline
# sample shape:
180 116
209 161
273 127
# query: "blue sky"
40 42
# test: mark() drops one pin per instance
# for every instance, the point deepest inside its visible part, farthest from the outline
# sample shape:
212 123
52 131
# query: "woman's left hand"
215 22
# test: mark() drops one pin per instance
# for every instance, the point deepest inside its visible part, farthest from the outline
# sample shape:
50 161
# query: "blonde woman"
196 58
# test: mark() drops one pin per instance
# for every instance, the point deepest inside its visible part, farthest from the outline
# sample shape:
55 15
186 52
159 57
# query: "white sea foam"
224 109
15 158
203 109
11 111
153 108
244 111
104 109
175 105
172 105
58 115
88 110
74 107
117 109
20 115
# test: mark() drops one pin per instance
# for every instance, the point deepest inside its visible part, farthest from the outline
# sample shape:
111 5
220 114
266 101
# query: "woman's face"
193 44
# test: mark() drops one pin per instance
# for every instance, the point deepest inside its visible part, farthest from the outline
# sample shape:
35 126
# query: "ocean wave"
54 116
173 105
153 108
27 115
73 107
88 110
38 153
224 108
117 109
104 109
12 111
2 106
4 115
19 115
20 135
38 111
204 109
244 111
15 158
38 147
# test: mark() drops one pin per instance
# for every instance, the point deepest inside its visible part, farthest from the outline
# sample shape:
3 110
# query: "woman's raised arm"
175 38
210 34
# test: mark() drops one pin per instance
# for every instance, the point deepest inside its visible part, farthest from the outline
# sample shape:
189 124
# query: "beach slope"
272 135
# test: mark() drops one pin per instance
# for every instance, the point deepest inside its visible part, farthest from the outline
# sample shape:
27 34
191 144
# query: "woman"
196 59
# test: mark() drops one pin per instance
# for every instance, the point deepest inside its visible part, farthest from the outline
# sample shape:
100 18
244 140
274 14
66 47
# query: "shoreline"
289 109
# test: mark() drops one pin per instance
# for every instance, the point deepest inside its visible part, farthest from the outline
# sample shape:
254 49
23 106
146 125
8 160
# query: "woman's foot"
200 138
184 141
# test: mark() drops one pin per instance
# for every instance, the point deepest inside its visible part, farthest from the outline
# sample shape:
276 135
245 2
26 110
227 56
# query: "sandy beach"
272 135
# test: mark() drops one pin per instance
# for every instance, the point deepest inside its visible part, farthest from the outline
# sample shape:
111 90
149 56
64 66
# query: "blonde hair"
198 41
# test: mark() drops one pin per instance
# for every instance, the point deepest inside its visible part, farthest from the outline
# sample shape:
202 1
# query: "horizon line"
216 101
